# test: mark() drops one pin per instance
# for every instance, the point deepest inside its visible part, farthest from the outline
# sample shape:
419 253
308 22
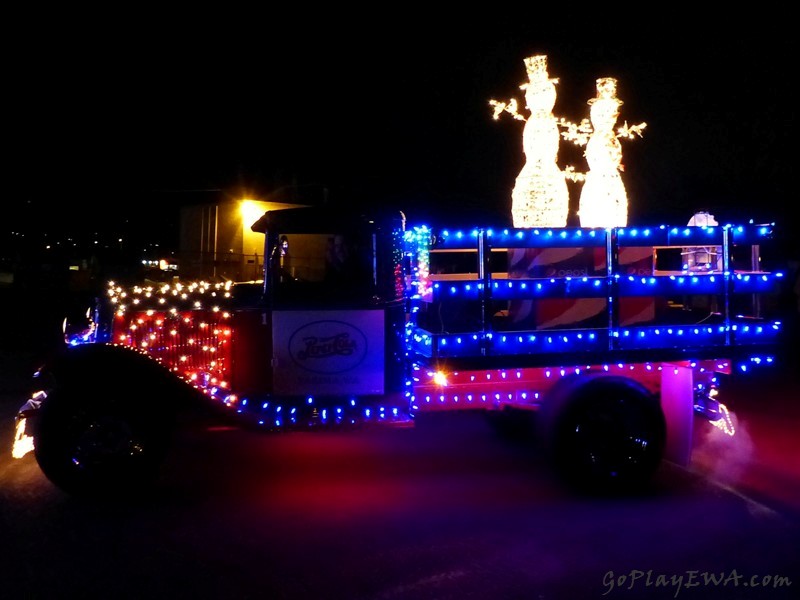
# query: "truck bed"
537 297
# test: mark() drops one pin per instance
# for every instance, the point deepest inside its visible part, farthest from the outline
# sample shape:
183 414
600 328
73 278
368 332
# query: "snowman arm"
628 132
577 134
573 175
509 107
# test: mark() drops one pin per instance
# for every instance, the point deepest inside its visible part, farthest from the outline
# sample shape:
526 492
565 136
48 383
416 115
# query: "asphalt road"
445 510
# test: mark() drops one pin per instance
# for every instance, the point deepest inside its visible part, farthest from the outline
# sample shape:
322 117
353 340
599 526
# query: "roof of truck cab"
325 218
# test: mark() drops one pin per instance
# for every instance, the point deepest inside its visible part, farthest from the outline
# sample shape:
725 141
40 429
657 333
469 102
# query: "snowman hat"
537 71
606 90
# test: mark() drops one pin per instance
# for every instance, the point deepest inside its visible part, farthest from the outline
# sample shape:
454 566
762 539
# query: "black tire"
99 431
603 433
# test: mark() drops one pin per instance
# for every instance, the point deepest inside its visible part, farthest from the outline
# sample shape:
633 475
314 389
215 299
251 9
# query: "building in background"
216 242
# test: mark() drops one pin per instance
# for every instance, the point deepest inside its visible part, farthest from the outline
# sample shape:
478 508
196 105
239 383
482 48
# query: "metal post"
485 279
726 268
755 266
216 233
612 258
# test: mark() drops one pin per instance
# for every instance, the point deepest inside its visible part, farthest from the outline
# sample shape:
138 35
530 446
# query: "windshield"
320 268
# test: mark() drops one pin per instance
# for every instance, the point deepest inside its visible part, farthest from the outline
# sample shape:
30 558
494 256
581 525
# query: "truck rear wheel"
603 433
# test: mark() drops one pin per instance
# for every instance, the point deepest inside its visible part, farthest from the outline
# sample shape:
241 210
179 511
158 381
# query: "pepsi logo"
328 347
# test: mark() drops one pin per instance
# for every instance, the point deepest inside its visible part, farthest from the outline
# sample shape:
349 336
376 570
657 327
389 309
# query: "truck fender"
106 420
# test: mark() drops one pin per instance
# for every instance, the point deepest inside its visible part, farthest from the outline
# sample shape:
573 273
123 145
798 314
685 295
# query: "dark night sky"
392 109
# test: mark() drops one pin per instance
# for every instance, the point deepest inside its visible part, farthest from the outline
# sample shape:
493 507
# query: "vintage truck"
605 343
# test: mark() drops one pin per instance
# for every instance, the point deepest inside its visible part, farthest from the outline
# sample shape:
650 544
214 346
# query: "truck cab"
329 321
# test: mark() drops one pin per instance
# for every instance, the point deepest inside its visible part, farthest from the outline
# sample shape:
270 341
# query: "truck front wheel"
604 434
98 434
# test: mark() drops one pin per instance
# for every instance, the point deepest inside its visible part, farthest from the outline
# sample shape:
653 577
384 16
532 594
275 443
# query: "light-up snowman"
603 200
540 197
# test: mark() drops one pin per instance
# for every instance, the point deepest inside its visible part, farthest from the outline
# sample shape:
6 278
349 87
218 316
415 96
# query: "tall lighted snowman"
540 197
603 200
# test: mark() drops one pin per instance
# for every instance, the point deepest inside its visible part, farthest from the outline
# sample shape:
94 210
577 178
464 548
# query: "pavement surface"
444 510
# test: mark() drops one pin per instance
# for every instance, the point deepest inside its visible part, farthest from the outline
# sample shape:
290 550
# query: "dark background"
121 118
116 117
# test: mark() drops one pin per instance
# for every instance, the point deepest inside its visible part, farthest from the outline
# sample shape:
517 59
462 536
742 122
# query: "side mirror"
79 327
